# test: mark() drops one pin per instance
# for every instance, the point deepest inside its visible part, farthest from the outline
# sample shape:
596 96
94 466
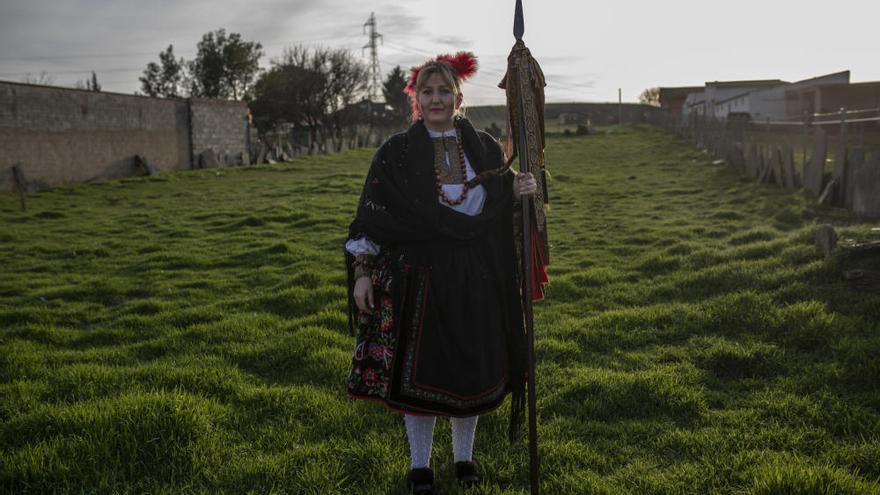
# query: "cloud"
117 39
560 59
578 80
399 23
457 42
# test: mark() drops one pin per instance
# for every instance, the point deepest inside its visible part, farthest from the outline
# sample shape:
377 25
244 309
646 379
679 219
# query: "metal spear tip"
518 23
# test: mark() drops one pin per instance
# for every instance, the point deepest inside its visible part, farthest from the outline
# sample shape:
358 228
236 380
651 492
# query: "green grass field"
186 333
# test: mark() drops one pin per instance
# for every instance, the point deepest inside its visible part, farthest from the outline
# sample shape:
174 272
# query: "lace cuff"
361 246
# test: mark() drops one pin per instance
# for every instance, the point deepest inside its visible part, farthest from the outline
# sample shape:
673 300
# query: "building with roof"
770 103
831 98
718 91
672 100
705 102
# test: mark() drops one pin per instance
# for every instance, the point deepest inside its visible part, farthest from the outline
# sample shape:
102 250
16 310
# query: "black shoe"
467 473
421 481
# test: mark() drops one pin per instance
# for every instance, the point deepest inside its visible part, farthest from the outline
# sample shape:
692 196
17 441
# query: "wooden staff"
518 30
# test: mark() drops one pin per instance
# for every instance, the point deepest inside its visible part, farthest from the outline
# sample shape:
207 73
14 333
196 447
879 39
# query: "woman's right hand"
363 294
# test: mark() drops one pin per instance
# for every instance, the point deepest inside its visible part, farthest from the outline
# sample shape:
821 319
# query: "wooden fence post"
776 161
21 185
788 173
866 186
805 140
763 165
855 160
755 160
840 172
770 157
814 170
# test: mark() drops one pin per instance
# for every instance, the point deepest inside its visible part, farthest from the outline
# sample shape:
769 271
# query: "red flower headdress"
463 63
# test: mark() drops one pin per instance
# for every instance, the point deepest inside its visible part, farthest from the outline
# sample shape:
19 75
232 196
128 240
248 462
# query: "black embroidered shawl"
399 206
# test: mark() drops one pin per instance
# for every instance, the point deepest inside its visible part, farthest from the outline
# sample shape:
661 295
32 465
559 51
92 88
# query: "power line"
83 71
53 57
555 85
122 54
374 70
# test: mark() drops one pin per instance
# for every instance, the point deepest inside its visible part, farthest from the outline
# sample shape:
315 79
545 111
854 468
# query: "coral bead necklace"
462 166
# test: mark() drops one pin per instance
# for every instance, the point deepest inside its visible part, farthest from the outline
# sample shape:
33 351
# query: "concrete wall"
715 93
720 97
770 103
695 103
65 136
219 125
858 96
740 104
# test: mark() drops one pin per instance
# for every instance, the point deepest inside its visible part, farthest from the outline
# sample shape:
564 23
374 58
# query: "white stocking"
463 430
420 432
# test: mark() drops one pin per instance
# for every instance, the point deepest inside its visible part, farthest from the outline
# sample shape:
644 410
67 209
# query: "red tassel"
539 267
410 90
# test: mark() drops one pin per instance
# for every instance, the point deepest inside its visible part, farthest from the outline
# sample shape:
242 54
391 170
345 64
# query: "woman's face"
438 103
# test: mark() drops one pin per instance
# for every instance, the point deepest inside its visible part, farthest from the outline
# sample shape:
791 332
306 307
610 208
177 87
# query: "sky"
587 49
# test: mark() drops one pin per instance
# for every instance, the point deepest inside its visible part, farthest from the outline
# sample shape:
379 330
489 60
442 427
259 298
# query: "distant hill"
599 113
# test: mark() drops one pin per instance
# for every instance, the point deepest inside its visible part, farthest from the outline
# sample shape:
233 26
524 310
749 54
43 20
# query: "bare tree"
650 96
314 94
43 78
346 82
89 84
313 88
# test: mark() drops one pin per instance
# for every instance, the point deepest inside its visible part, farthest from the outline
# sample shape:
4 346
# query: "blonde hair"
445 70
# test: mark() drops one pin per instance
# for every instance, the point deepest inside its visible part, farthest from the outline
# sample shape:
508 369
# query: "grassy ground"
186 333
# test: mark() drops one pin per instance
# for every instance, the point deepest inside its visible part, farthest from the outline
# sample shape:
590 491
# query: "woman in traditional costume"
432 274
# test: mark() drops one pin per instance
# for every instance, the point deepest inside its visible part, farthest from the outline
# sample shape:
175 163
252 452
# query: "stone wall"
64 136
221 126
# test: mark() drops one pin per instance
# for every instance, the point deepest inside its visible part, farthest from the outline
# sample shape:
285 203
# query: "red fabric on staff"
539 267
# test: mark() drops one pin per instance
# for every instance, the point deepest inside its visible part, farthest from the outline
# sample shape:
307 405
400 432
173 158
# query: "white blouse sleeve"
361 246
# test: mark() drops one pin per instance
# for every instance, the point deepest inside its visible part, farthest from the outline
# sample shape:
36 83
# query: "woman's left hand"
524 185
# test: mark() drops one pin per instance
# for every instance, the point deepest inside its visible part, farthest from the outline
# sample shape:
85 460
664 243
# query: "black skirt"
439 342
